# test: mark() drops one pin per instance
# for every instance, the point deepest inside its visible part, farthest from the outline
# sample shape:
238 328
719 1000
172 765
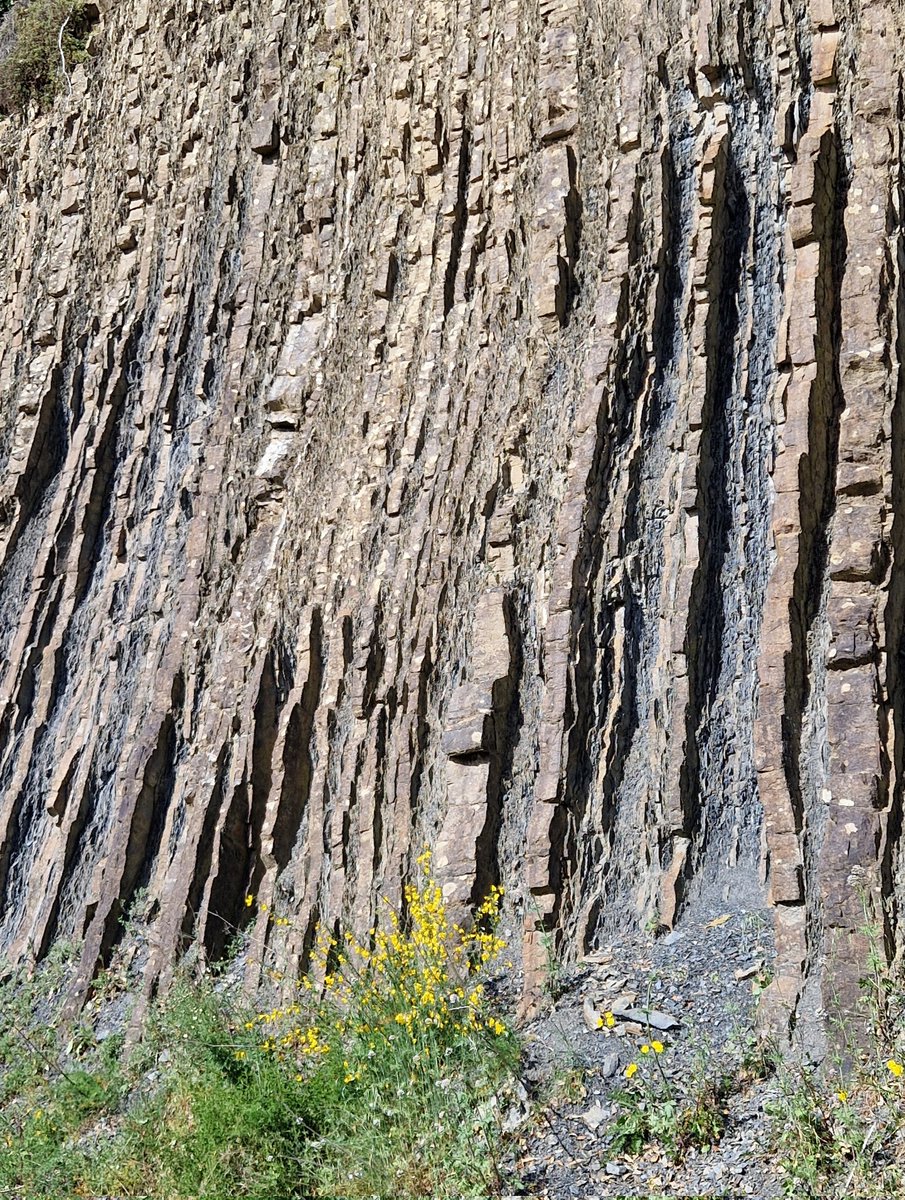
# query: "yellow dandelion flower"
609 1020
645 1049
842 1097
895 1068
630 1070
657 1047
249 901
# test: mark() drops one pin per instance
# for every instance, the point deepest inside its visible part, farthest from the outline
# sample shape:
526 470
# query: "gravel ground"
704 976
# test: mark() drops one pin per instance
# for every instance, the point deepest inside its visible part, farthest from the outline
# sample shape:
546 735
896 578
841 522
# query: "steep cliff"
461 423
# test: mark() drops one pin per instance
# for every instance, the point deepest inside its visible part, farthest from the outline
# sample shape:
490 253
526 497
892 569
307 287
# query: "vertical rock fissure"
706 633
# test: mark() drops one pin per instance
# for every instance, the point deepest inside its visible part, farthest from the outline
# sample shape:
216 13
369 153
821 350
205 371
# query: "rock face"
468 424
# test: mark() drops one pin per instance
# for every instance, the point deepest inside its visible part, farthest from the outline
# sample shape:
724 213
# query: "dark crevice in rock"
225 903
205 847
107 458
297 754
567 289
421 732
266 728
460 220
894 617
47 451
505 718
148 817
69 858
705 629
589 682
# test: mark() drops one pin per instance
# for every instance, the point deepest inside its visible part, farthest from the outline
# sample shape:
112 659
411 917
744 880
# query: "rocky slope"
462 423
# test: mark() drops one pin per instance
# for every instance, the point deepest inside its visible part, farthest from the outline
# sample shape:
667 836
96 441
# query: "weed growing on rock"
842 1138
655 1108
48 1095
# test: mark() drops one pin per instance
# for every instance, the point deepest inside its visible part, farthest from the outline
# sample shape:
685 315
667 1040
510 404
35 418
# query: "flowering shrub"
399 1026
384 1077
414 989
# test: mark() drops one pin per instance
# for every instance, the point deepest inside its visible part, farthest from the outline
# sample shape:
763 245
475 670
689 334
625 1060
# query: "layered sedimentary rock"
476 425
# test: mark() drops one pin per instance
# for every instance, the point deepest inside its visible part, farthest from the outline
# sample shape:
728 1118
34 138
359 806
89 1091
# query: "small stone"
615 1169
654 1018
125 238
596 957
595 1116
747 972
591 1015
265 134
614 984
609 1065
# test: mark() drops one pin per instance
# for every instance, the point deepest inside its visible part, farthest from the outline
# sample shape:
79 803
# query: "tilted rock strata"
478 426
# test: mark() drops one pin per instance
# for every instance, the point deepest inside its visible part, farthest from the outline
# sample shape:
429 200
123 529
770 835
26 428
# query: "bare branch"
62 55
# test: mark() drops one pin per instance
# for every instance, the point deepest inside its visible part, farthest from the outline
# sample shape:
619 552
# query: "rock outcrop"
468 424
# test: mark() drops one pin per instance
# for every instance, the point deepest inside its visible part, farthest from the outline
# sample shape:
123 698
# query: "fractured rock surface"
467 424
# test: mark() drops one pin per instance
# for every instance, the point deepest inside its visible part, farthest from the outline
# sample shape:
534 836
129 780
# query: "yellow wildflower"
894 1067
657 1047
630 1070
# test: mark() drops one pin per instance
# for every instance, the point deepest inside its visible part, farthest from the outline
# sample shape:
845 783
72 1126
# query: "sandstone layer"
466 424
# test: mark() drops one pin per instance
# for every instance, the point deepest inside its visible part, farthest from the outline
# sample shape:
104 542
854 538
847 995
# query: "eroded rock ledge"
478 425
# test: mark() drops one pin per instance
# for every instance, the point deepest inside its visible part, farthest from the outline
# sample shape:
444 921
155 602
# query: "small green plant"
655 1108
554 980
845 1142
653 924
43 39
